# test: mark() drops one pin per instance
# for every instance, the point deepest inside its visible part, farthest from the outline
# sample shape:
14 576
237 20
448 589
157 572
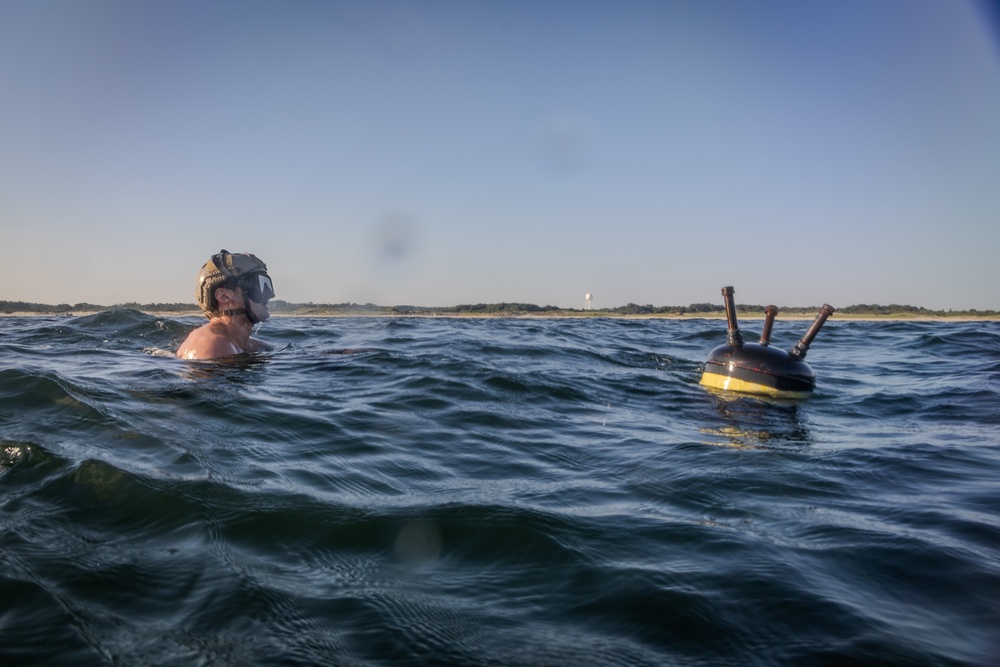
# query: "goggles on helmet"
258 287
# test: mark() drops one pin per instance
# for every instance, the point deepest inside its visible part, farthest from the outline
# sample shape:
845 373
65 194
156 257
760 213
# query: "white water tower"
589 304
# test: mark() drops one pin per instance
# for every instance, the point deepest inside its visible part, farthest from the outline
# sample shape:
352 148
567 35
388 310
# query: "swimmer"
233 291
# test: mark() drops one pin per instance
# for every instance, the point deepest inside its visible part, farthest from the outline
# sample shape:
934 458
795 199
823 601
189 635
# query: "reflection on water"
237 368
13 453
757 422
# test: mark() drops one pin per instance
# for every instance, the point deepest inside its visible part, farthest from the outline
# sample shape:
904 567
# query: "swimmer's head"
226 269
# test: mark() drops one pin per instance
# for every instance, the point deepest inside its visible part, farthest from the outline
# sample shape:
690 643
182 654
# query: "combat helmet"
226 269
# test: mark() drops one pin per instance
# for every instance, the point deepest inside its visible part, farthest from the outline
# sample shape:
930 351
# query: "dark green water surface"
495 492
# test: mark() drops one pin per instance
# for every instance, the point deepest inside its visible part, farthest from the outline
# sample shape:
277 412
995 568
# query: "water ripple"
495 492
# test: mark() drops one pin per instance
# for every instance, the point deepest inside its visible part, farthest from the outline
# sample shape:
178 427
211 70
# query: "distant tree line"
698 308
280 306
497 308
8 307
896 309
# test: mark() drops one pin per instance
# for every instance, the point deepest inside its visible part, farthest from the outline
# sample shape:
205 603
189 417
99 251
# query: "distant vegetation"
9 307
281 307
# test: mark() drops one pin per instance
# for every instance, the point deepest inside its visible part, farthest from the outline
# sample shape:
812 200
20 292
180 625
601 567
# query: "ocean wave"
494 492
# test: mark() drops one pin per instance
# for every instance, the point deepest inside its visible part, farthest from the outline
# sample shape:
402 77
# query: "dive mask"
258 287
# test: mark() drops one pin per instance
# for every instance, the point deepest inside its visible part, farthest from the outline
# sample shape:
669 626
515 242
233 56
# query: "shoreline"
556 316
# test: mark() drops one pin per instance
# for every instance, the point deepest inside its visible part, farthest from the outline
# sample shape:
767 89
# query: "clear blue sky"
438 153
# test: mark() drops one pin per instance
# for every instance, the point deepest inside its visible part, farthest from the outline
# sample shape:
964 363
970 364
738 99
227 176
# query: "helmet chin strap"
233 311
248 311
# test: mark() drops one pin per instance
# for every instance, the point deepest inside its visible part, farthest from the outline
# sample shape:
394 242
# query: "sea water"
409 491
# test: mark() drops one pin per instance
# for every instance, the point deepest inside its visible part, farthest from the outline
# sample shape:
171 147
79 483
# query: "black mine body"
758 368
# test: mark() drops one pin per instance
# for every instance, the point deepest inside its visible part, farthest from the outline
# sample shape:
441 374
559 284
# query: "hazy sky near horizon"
439 153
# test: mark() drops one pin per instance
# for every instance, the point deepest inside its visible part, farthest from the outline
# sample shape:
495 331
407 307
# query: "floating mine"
758 368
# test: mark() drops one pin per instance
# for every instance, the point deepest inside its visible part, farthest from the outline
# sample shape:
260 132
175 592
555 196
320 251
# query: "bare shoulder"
206 342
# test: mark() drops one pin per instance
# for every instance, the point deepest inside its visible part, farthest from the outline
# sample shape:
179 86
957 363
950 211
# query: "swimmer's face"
258 290
259 309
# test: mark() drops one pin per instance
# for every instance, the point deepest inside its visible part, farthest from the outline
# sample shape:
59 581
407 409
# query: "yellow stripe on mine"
728 383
